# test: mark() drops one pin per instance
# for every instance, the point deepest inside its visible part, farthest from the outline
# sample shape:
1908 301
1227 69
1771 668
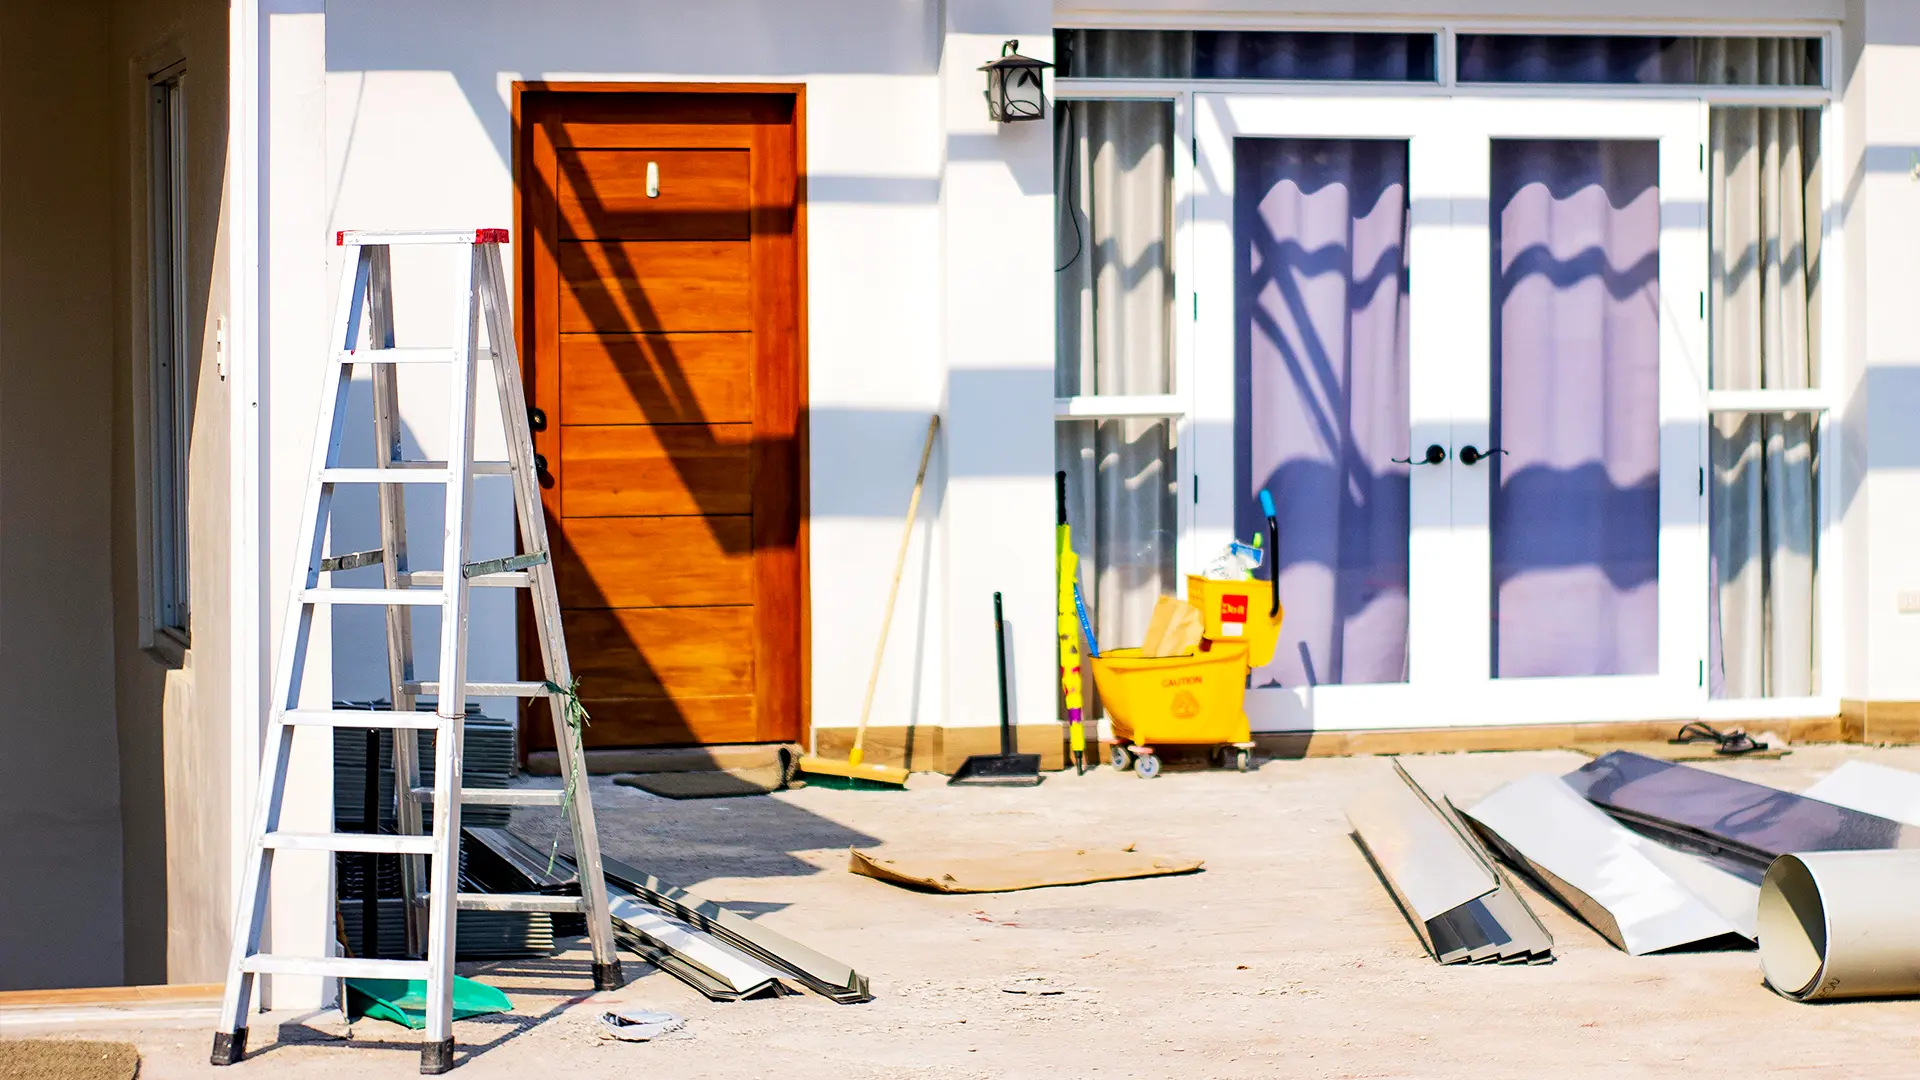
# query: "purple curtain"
1321 386
1576 354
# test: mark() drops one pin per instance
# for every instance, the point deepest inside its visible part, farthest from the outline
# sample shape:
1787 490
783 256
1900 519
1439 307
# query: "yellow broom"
853 769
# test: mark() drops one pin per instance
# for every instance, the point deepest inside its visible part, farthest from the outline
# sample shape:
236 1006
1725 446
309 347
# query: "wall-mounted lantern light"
1013 86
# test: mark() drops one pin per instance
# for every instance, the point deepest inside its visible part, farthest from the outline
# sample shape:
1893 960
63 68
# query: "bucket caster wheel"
1120 758
1242 759
1147 766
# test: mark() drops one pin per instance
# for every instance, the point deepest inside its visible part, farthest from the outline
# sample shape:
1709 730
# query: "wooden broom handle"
893 591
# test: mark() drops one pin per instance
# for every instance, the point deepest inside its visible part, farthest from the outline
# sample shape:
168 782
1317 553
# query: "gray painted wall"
60 823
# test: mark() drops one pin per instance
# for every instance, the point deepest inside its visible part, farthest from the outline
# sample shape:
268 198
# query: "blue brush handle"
1273 547
1086 625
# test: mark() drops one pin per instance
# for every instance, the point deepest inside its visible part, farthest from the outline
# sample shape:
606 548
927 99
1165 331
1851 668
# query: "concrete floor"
1285 957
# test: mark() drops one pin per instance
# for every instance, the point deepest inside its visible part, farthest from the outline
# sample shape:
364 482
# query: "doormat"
719 784
1012 872
67 1059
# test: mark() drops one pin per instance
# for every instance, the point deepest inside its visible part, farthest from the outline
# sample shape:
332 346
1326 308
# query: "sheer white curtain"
1114 291
1765 326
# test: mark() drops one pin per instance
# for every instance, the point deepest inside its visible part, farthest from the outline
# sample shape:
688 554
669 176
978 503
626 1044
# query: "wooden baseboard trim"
607 761
1306 744
114 995
938 749
1880 722
942 749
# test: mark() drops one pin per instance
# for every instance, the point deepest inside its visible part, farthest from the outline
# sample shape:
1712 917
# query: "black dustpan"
1006 768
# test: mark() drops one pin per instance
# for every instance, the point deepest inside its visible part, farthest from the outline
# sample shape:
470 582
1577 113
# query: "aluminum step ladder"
366 303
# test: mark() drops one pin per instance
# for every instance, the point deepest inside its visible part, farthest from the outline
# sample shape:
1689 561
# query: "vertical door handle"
1435 455
653 179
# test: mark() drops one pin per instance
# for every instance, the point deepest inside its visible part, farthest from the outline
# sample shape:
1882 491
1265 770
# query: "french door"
1463 343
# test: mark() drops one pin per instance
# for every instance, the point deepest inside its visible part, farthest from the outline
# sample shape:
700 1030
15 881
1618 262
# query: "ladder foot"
436 1058
228 1049
607 976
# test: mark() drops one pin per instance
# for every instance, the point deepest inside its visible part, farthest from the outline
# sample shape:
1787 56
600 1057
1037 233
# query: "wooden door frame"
523 254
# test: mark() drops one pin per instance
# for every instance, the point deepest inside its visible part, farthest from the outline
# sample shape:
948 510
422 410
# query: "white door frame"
1449 681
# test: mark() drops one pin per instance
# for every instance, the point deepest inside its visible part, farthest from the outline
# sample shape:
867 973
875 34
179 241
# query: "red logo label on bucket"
1233 609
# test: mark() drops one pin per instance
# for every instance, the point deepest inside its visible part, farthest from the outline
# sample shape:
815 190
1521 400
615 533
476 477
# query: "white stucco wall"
1882 499
419 134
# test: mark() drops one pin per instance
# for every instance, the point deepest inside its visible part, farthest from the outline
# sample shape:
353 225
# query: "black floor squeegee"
1006 768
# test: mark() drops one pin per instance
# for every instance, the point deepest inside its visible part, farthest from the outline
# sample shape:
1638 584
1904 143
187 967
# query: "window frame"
1177 407
164 406
1823 400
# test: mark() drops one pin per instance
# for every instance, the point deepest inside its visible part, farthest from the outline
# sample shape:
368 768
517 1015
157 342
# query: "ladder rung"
381 597
480 468
382 237
352 560
472 901
482 689
511 579
384 476
340 967
377 843
501 796
394 356
381 719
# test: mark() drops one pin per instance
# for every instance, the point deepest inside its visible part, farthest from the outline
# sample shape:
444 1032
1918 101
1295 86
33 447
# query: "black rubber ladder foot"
228 1049
607 976
436 1058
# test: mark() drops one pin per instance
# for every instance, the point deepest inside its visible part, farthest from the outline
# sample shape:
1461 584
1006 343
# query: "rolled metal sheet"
1608 874
1893 794
1841 924
1749 821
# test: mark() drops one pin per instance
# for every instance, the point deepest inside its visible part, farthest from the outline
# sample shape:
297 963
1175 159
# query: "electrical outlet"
1909 600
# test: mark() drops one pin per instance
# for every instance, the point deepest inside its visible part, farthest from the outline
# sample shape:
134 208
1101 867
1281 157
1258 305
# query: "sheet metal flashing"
1749 821
1459 902
1885 792
1638 898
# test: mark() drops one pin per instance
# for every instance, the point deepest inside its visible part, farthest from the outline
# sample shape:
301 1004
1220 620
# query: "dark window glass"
1234 54
1629 60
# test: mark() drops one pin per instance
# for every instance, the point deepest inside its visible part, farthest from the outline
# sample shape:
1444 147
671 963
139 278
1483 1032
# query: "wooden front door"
660 324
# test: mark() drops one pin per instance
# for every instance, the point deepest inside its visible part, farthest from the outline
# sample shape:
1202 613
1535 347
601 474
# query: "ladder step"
434 579
394 356
377 843
480 468
482 689
384 476
340 967
468 901
501 796
383 237
380 719
377 597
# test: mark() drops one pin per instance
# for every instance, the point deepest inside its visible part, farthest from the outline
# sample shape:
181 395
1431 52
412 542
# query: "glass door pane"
1575 501
1321 396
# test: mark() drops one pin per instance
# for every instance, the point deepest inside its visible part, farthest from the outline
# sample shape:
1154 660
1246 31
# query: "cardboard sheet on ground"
959 873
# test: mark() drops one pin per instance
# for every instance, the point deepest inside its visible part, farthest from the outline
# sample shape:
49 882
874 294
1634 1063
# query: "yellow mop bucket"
1238 611
1186 700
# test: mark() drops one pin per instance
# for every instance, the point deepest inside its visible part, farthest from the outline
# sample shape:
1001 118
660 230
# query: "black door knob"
540 463
1471 455
536 418
1435 455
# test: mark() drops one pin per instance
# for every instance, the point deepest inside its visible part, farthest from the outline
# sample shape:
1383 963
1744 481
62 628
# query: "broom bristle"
828 770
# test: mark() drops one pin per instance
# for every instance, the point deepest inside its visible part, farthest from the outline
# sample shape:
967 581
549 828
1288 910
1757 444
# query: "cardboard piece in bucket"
1015 871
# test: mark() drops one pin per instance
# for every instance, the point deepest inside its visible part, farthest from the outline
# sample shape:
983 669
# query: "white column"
997 206
296 296
1879 496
